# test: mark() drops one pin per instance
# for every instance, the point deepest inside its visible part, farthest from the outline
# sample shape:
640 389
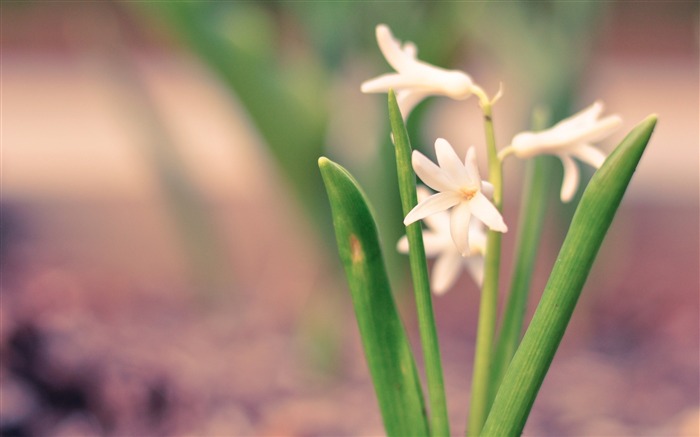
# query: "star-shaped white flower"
459 187
568 139
438 244
414 80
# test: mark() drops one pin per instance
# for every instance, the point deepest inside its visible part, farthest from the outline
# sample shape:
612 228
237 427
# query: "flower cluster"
454 238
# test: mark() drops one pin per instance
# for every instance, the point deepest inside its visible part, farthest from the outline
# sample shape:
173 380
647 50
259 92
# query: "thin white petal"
395 81
422 192
433 204
431 175
408 99
585 117
563 138
600 129
402 245
571 177
451 164
484 210
399 58
445 272
453 83
487 188
477 237
527 144
459 227
589 154
475 267
434 244
471 166
410 49
439 222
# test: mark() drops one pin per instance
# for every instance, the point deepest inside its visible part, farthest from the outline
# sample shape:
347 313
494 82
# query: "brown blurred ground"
104 332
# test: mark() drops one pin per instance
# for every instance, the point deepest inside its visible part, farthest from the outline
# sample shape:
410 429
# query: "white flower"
438 243
414 80
568 139
459 186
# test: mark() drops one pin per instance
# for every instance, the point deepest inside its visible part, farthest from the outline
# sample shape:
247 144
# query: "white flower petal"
459 227
567 134
485 211
431 175
527 144
475 267
487 188
408 99
399 58
477 237
451 164
420 78
471 166
571 177
439 222
410 49
433 204
589 154
402 245
599 130
434 243
585 117
422 192
453 83
459 85
445 272
395 81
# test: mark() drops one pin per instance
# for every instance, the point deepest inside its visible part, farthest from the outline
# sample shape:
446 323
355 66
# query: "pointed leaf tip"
323 161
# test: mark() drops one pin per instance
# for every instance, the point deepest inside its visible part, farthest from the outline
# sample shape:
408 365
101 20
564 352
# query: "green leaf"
439 419
386 345
589 225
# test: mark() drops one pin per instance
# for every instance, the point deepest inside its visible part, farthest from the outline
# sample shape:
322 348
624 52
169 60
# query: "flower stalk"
532 217
486 329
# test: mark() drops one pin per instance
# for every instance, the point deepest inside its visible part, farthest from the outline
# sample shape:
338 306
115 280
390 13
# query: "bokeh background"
168 265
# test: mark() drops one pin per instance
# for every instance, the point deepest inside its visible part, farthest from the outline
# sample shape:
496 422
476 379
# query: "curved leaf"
386 345
589 225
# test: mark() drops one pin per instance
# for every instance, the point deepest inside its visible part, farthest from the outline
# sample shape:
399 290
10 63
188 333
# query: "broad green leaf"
589 225
386 345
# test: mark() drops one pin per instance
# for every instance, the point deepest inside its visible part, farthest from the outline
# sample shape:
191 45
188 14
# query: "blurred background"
168 265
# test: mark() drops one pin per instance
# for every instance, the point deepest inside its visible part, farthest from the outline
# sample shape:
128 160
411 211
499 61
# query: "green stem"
486 329
532 211
534 206
439 421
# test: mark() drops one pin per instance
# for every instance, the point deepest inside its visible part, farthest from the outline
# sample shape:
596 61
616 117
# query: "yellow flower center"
467 193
